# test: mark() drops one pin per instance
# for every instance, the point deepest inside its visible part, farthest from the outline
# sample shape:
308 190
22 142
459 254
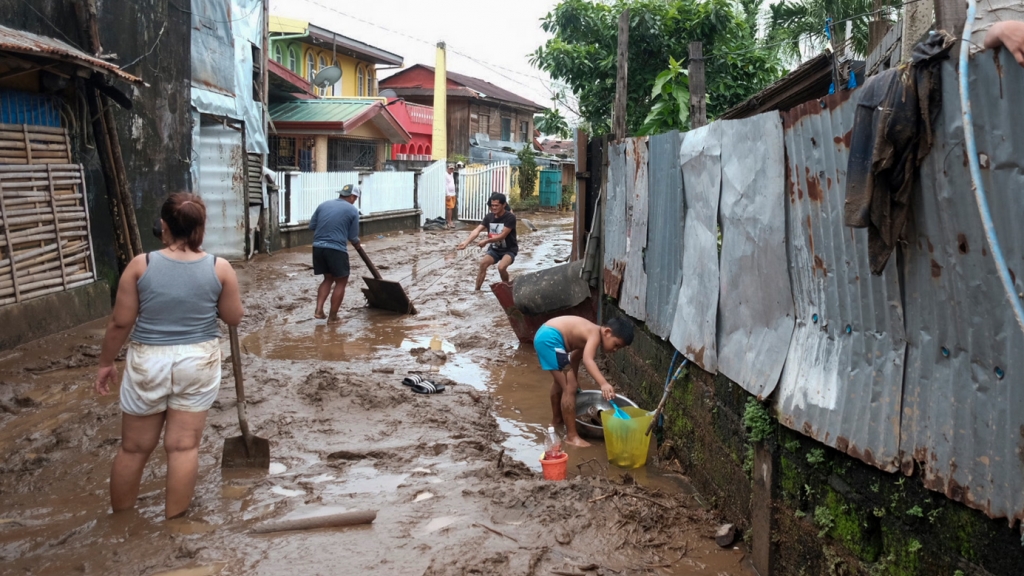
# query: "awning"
36 46
336 117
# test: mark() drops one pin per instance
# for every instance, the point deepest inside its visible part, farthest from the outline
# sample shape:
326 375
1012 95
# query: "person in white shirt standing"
449 196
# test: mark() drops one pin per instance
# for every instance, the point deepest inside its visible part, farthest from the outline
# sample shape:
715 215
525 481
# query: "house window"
310 66
347 155
293 61
336 89
524 131
324 91
506 129
282 153
485 124
277 54
371 89
360 82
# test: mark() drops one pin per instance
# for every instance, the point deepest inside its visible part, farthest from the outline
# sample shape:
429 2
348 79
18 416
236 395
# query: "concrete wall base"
40 317
295 235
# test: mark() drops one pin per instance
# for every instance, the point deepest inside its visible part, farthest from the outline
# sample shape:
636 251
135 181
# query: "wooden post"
951 15
917 19
582 182
10 245
56 224
698 89
876 27
121 246
622 71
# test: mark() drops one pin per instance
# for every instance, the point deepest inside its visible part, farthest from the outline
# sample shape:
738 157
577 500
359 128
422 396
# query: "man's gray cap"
349 190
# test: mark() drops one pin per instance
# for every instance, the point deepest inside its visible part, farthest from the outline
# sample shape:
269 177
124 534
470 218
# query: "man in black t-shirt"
500 242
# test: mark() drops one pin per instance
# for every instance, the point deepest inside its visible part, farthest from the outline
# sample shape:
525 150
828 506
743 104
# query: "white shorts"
184 377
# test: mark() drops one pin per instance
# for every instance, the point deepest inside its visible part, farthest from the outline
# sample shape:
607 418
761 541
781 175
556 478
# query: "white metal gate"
431 191
310 189
476 186
222 188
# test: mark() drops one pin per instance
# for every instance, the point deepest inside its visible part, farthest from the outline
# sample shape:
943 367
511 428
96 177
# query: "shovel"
245 451
384 294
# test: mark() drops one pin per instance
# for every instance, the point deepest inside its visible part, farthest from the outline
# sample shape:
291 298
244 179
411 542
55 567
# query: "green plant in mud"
816 457
759 423
824 519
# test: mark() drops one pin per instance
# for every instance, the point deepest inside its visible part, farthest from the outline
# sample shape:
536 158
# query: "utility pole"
440 129
698 90
877 28
622 56
951 15
917 19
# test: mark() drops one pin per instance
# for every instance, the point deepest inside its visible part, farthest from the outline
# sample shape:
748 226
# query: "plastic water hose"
975 167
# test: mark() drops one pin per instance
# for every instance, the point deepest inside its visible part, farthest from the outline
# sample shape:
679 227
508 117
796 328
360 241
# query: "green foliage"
582 54
527 171
456 158
758 421
816 457
794 20
524 204
551 123
792 446
824 519
671 97
568 197
916 511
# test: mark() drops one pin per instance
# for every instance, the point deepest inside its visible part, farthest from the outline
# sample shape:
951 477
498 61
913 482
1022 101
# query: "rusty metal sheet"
30 44
963 399
633 300
755 306
843 376
615 221
693 326
664 232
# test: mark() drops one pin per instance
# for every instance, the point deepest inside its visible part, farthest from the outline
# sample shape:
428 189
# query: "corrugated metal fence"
744 263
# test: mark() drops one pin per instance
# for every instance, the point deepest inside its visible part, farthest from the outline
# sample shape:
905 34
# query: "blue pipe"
975 166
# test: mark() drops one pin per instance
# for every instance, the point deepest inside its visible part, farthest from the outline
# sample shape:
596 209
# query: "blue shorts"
498 255
550 347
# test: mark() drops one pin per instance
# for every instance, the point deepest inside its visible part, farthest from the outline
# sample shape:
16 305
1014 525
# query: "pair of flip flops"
421 385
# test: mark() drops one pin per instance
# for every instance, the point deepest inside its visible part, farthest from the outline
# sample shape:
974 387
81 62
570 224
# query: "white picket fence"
476 186
387 191
432 185
310 189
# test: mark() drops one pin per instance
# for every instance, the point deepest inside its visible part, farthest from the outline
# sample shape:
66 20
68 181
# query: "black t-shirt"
495 226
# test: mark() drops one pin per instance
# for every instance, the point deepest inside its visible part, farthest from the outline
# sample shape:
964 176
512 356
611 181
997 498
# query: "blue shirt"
335 223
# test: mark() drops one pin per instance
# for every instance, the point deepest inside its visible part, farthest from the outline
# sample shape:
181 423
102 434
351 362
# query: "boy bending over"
561 344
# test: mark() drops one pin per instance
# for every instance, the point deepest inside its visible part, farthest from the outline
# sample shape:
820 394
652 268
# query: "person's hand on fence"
1009 34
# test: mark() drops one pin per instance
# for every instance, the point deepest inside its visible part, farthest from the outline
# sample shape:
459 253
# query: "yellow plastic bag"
626 440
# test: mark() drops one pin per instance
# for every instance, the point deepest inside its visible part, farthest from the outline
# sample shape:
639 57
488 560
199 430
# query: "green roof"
332 110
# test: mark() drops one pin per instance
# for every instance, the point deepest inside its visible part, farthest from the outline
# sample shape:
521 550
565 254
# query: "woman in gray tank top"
168 303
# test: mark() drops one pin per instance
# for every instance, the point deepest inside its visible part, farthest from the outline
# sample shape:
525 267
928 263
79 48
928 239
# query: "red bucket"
554 468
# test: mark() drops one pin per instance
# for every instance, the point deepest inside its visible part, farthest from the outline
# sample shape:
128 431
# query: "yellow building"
305 49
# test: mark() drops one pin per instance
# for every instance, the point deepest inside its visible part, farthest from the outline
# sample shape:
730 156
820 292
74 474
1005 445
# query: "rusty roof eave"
34 45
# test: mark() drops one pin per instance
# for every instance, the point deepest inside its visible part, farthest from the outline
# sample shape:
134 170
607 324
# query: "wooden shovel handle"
366 260
236 364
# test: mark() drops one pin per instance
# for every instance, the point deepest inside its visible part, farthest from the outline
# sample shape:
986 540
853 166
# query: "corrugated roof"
333 110
483 88
664 258
30 44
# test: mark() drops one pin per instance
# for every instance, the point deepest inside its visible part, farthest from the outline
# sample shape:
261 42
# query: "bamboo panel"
22 144
44 227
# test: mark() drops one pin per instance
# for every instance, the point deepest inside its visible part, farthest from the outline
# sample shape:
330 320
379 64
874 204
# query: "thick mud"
454 477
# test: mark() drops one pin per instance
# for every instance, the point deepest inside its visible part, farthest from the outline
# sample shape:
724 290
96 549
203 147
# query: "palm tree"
792 21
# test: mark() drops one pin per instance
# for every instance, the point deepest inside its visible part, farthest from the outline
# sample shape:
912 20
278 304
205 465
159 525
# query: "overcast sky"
486 39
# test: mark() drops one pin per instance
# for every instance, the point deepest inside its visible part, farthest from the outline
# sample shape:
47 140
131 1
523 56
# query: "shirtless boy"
561 344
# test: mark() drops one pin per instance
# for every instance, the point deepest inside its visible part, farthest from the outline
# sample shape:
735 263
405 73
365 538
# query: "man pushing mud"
335 223
501 243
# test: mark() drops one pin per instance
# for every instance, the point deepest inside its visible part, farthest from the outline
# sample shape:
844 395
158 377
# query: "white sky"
496 36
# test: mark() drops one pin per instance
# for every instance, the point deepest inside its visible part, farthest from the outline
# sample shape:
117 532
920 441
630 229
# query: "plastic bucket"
554 469
627 441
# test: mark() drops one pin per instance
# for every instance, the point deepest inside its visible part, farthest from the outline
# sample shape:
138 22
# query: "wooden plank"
36 129
622 71
56 222
66 167
28 143
88 227
7 232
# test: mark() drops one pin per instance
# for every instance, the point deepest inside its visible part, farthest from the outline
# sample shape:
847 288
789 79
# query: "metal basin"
587 398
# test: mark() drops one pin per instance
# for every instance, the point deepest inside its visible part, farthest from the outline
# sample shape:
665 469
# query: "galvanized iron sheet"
633 300
693 326
963 403
755 318
664 232
615 220
842 380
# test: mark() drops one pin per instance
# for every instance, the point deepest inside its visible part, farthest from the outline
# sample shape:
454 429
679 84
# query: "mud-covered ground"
453 477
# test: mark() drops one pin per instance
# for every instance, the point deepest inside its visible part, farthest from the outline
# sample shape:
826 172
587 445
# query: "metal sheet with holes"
755 306
664 232
962 422
843 376
615 221
633 299
693 325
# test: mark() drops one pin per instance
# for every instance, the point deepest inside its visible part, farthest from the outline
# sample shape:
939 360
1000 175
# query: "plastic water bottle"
552 444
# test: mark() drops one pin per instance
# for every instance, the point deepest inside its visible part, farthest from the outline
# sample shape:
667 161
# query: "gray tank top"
177 301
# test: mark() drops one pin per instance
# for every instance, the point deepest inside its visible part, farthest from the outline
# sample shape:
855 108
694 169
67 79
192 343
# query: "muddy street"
454 477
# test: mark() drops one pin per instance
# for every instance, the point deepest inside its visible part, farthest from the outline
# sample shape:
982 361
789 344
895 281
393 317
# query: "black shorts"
330 261
498 255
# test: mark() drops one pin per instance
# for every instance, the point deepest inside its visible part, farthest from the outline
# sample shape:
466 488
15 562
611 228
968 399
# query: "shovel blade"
387 295
236 453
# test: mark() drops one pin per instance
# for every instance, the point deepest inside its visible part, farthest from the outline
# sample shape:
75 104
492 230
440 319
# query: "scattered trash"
726 535
315 522
423 496
286 492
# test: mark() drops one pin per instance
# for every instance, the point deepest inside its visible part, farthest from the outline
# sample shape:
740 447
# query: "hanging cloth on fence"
892 134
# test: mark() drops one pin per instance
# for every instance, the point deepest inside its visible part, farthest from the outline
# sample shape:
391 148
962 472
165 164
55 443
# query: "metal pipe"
975 166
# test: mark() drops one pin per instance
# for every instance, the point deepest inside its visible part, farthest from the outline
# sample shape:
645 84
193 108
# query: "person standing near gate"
501 243
335 223
450 196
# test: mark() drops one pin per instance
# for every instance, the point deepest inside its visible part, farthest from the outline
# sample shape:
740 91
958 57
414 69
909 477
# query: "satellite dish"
327 76
387 93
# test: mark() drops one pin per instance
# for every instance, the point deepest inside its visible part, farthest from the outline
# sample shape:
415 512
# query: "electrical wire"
975 166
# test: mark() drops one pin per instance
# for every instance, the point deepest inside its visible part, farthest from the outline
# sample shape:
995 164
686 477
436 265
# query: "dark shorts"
330 261
498 255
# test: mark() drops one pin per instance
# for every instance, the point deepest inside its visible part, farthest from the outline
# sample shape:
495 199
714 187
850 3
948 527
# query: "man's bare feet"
333 319
576 441
319 315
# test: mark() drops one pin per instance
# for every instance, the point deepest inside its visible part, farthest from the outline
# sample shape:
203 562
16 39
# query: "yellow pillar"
320 153
439 151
